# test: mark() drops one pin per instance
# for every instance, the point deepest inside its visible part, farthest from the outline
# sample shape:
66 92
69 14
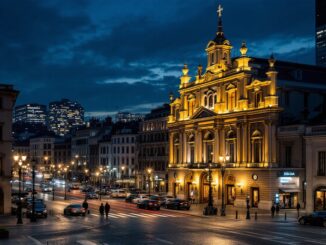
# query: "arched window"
177 115
176 149
210 101
208 146
231 138
191 149
205 101
256 146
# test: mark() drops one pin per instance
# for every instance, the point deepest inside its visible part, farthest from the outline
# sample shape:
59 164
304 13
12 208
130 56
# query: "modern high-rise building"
30 113
65 115
321 32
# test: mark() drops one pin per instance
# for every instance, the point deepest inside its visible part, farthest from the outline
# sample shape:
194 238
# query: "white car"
119 193
140 198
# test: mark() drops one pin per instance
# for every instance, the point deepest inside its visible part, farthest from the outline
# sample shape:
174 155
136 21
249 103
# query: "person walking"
273 210
277 209
85 206
101 209
298 209
107 209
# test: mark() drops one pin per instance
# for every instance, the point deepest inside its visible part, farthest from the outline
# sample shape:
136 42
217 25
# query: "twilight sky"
127 55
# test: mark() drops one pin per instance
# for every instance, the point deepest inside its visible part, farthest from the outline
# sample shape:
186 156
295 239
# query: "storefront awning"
289 190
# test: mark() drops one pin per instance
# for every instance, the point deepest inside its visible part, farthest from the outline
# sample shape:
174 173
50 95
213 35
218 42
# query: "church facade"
224 122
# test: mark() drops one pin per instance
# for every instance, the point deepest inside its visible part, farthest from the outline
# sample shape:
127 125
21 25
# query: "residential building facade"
7 101
153 148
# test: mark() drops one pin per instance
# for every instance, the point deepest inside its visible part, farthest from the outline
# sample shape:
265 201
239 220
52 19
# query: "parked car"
140 198
74 209
159 199
30 189
131 197
47 189
316 218
119 193
149 204
166 199
40 210
177 204
91 195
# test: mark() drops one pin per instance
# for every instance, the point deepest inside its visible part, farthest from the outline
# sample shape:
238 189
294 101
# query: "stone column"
245 142
180 147
267 147
171 148
239 146
216 148
184 147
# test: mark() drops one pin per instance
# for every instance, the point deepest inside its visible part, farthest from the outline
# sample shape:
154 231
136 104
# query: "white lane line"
139 215
163 215
118 215
86 242
148 215
34 240
163 241
312 241
96 215
129 215
170 215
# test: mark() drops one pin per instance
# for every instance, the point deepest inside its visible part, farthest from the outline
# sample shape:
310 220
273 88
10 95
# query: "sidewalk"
291 214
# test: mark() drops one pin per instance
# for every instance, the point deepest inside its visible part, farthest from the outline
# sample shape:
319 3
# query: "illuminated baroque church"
226 118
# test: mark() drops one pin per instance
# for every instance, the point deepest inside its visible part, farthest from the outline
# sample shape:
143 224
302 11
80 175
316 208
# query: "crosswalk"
137 215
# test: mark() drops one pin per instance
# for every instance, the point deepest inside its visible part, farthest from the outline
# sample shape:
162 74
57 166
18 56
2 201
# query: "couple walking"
105 208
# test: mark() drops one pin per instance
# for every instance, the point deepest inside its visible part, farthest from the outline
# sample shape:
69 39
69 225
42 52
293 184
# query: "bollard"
236 214
285 216
256 216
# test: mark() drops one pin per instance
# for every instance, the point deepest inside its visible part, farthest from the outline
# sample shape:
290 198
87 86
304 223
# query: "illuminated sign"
288 174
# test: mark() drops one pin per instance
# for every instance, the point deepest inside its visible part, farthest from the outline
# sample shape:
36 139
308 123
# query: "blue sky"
127 55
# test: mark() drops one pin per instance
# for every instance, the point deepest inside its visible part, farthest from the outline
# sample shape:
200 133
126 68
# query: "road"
129 225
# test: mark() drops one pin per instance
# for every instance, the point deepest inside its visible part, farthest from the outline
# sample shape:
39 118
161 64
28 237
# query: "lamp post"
52 175
20 160
65 172
209 209
33 217
122 173
223 160
149 171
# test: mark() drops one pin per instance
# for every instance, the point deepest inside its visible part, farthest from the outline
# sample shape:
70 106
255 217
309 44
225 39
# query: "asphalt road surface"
129 225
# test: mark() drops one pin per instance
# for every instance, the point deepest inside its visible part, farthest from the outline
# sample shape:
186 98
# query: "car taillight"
73 210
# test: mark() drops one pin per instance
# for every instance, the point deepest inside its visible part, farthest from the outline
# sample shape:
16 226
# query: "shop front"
320 199
289 189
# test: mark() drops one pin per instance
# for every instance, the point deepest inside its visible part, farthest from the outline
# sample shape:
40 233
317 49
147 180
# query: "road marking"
170 215
34 240
312 241
163 241
129 215
148 215
165 216
86 242
118 215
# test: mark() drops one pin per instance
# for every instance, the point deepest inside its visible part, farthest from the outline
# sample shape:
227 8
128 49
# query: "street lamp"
20 160
122 173
209 209
33 217
65 172
149 171
223 160
52 173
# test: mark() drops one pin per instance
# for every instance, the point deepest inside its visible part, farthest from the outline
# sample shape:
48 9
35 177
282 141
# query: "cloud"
115 55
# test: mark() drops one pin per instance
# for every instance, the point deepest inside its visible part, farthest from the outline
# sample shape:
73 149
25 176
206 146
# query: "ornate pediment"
203 112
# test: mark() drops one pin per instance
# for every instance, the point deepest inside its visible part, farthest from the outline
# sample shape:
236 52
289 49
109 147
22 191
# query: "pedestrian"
85 206
107 209
273 210
101 209
298 209
277 209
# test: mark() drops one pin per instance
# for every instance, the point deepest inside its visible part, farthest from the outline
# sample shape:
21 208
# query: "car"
47 189
140 198
30 189
316 218
119 193
74 187
177 204
149 204
74 210
28 201
131 197
159 199
166 199
91 195
40 210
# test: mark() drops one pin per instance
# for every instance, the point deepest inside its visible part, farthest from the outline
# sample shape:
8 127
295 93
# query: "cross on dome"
219 10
